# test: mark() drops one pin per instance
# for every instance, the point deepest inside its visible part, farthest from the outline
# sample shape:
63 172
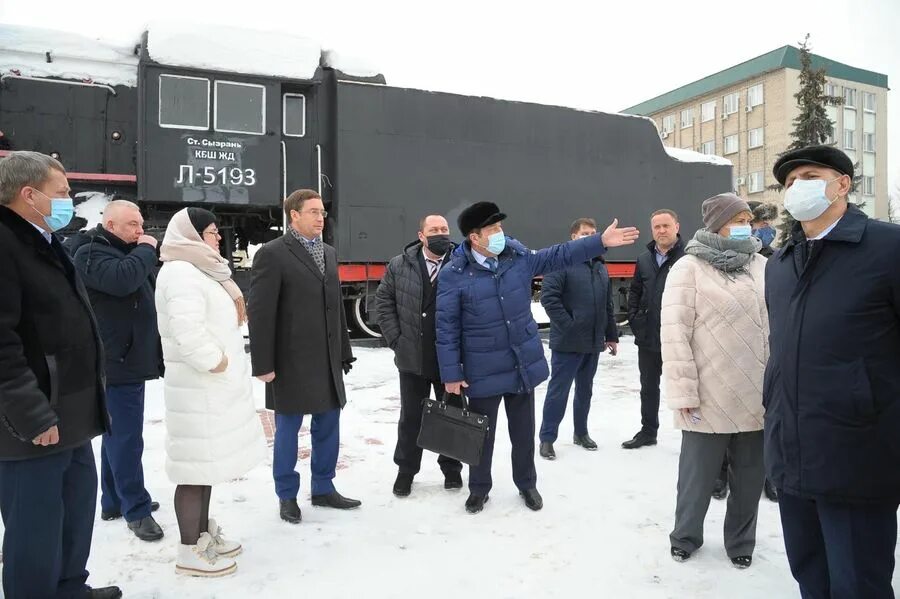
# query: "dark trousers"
121 471
408 455
326 441
650 365
520 417
567 367
839 551
48 507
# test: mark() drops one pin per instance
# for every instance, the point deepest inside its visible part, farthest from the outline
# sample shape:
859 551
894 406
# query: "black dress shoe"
770 491
720 489
403 485
336 501
742 562
533 499
290 511
452 480
116 514
586 442
146 529
546 450
475 503
641 439
105 593
680 555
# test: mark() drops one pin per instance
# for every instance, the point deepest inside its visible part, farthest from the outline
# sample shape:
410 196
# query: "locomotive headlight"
116 136
54 155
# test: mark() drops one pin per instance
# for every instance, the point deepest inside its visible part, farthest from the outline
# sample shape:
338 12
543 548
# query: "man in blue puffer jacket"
487 340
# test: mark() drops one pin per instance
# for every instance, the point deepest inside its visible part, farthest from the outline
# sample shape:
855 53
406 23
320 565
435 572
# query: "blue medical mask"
61 212
740 231
496 243
766 235
805 199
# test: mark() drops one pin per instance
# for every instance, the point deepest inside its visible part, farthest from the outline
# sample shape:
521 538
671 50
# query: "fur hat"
827 156
478 215
762 211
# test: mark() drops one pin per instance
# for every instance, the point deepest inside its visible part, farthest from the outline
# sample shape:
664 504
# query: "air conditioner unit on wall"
724 115
664 134
749 109
739 181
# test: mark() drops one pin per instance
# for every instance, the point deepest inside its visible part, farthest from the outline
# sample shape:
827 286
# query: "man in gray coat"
406 317
299 346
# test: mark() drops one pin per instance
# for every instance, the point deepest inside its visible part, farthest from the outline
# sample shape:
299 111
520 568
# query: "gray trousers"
699 464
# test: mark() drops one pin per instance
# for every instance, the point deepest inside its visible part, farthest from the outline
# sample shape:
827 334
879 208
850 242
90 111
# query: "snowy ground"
603 530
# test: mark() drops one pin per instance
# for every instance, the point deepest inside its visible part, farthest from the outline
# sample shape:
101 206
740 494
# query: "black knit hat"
478 215
201 218
827 156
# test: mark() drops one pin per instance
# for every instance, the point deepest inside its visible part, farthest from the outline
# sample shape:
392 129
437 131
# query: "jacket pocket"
53 372
842 392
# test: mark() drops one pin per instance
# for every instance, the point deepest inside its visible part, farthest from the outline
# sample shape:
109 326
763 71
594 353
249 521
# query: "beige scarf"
182 242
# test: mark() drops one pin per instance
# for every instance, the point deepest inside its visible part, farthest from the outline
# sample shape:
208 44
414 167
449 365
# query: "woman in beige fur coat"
715 332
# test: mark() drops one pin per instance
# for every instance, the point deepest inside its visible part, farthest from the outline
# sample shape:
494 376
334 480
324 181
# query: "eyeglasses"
316 212
215 233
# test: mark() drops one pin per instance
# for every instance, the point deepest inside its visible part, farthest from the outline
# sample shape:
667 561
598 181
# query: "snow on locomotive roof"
348 64
35 52
231 49
682 155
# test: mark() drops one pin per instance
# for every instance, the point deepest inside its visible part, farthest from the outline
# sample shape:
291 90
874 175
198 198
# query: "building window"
849 139
849 97
755 95
731 144
755 182
668 124
687 118
868 142
831 89
731 103
294 115
240 108
869 186
707 111
755 138
708 147
868 102
183 102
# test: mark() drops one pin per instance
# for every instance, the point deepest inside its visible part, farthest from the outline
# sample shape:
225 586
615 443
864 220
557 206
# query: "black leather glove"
348 365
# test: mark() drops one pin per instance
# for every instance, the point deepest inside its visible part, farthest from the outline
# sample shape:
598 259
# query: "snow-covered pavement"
603 531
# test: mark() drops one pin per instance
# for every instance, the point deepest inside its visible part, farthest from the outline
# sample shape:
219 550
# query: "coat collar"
462 256
850 229
300 252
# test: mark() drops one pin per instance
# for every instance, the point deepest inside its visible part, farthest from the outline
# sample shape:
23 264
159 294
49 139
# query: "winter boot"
202 560
223 547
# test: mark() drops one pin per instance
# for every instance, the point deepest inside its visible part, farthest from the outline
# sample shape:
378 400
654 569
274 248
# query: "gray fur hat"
763 211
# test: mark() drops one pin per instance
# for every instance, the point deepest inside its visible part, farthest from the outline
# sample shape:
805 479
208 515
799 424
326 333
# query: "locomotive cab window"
294 115
183 102
240 108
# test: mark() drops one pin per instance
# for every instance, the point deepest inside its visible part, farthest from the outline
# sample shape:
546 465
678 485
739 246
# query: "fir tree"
812 126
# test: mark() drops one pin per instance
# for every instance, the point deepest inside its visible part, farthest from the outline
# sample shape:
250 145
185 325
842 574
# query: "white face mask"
805 200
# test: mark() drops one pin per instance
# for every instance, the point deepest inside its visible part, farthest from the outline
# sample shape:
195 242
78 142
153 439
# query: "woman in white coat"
715 343
213 432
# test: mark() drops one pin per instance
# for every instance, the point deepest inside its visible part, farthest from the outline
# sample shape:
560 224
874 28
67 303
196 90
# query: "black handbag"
452 431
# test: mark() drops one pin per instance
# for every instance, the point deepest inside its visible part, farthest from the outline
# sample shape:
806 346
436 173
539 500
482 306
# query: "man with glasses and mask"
405 311
51 389
301 350
487 340
832 383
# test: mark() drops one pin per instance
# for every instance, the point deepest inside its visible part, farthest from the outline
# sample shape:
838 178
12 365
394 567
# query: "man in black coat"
582 326
644 306
117 263
51 389
832 383
406 301
299 346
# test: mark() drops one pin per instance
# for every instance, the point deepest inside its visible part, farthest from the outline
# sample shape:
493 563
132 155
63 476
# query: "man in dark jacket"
117 263
644 306
487 340
299 347
832 383
406 317
582 326
51 389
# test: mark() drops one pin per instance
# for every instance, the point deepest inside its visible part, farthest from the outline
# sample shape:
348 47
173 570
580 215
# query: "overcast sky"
581 54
